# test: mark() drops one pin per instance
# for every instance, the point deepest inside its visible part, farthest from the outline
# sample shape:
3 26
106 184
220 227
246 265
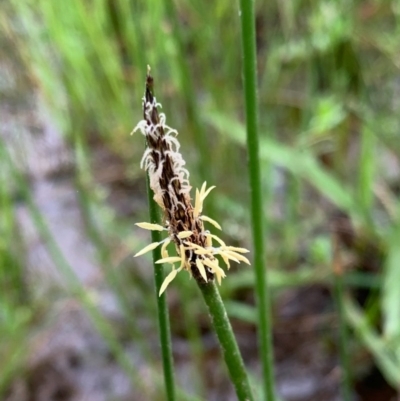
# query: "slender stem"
338 281
230 349
247 17
343 339
162 308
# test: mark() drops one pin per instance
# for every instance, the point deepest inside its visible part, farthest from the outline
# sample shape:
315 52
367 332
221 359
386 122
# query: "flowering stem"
162 309
247 17
230 349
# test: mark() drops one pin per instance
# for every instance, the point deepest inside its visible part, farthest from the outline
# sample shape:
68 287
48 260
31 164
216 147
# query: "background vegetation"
329 120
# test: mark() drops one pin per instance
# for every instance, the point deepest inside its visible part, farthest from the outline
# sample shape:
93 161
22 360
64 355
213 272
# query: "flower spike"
169 181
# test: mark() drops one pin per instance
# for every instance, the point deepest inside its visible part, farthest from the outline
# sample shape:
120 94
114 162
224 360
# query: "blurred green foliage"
329 99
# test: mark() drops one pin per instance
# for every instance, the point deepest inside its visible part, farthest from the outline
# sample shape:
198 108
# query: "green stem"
339 294
230 349
343 339
162 308
247 17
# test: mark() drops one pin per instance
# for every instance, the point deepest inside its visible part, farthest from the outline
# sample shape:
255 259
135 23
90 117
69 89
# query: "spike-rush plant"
184 225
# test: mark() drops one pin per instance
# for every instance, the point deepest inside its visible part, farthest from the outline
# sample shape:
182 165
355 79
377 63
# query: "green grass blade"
386 360
367 171
339 293
391 287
